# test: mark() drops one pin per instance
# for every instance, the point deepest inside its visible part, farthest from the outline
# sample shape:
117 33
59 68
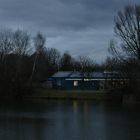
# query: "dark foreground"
68 120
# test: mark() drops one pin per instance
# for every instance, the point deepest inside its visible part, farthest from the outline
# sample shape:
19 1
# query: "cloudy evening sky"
83 27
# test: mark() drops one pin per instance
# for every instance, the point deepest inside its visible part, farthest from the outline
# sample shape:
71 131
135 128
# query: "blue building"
77 81
59 79
71 80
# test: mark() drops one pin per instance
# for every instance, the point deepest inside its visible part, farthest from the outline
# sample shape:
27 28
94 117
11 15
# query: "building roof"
97 75
62 74
93 75
71 74
76 74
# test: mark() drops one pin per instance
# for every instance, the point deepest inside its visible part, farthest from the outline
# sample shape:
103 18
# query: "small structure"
59 79
71 80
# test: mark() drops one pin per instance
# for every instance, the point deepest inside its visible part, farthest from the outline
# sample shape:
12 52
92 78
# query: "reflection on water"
68 120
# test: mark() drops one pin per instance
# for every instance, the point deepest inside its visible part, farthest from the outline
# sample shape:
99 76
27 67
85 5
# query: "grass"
70 94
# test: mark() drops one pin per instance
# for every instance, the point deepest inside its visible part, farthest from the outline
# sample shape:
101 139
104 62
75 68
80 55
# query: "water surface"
68 120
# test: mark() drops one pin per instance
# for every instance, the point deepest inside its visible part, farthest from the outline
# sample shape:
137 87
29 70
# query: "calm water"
68 120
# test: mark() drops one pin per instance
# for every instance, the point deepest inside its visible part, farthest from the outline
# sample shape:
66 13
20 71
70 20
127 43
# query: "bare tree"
127 28
5 49
21 46
13 53
39 44
127 49
6 43
21 42
53 57
67 62
87 65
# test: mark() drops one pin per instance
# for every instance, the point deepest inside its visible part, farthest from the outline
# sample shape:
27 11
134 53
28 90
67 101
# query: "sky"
81 27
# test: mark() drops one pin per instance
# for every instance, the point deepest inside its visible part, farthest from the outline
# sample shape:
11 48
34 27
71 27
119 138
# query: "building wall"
58 83
70 85
82 85
75 84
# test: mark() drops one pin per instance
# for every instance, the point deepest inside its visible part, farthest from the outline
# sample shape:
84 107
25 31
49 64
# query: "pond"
68 120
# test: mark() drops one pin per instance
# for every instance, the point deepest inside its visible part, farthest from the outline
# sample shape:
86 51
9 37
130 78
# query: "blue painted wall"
58 83
82 85
70 86
62 83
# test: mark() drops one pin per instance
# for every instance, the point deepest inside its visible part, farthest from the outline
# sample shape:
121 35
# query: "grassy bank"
70 94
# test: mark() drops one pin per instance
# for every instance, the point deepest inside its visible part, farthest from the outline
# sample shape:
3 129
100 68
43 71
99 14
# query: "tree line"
26 61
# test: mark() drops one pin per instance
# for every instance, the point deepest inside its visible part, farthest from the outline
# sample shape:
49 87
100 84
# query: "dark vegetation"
26 62
126 53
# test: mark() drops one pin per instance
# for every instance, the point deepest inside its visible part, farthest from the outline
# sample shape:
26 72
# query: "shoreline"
51 94
73 95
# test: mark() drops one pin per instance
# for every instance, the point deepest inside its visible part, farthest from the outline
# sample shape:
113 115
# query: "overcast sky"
82 27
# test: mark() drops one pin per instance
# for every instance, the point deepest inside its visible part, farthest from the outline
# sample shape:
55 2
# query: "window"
75 83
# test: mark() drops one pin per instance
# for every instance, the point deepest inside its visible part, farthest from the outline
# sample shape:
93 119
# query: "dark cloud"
80 26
